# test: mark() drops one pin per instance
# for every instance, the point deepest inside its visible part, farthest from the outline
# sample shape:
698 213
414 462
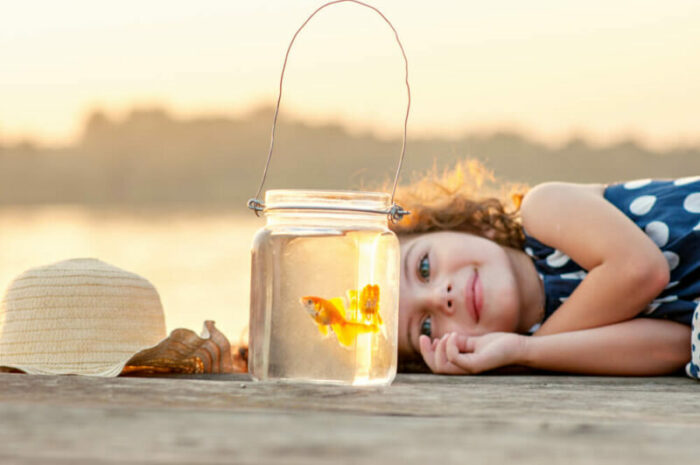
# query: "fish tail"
360 328
346 333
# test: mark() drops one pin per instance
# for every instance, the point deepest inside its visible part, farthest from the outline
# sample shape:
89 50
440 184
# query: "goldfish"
331 313
367 304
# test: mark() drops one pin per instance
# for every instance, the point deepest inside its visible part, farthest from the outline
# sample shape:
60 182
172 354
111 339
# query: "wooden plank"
421 418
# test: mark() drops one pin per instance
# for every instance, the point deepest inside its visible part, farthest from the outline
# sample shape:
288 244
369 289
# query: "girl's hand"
457 354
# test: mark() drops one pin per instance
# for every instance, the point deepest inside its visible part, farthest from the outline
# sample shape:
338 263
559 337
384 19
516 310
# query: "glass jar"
325 289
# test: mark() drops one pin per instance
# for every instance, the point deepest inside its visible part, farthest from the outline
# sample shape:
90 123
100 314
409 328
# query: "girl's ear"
490 234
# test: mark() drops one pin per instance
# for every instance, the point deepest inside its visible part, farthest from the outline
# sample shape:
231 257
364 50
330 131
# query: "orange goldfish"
368 302
332 313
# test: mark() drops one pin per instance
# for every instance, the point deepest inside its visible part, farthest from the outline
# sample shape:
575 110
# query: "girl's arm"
640 347
626 270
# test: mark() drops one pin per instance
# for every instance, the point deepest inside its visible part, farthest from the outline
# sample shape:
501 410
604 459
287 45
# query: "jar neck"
323 218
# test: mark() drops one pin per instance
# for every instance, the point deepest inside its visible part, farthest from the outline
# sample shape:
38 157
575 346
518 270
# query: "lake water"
198 262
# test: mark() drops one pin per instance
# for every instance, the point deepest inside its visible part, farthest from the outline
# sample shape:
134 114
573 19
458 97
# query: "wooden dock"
425 419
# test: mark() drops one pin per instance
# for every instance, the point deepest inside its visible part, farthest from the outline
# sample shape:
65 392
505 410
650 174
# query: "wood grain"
419 419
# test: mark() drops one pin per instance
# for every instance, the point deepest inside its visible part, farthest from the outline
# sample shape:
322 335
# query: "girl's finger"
470 343
427 351
442 362
430 350
460 357
452 349
440 352
461 341
467 362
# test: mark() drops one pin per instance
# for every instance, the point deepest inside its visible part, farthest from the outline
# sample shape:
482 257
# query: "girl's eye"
426 327
424 267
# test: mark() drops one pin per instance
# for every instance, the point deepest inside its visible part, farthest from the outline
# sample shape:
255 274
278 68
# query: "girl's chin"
504 324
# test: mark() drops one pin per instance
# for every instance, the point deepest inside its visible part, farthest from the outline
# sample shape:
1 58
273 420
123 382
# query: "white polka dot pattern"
658 232
642 204
673 259
637 184
574 275
692 202
534 328
557 259
651 307
697 227
671 284
684 181
657 303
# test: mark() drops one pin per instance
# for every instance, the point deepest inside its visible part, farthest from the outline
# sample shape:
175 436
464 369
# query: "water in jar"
286 342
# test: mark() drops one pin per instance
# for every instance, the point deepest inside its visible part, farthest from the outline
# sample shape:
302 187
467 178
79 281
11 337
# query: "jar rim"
331 200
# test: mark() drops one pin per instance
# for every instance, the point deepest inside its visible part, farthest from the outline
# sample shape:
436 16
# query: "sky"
603 69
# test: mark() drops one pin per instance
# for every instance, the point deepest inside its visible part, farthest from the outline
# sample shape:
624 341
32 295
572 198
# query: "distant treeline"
153 158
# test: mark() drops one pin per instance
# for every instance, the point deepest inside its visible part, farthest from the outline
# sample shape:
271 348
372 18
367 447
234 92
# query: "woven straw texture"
79 316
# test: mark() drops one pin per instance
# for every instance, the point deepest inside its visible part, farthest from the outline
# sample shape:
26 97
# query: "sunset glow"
601 69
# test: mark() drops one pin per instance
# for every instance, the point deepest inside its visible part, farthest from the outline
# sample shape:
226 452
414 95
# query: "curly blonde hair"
465 198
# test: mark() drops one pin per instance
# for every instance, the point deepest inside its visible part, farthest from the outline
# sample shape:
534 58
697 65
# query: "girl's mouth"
477 295
474 297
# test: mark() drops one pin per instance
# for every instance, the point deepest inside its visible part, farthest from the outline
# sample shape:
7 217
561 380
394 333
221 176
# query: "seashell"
185 352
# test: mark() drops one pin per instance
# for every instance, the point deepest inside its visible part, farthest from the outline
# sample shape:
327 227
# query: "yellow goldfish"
367 304
332 313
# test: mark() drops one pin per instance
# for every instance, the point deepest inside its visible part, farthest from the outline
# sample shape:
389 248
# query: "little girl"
580 278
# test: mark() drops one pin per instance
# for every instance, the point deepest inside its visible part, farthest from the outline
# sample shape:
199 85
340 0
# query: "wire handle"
395 212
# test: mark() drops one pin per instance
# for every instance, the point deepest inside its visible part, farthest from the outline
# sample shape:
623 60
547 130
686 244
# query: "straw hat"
79 316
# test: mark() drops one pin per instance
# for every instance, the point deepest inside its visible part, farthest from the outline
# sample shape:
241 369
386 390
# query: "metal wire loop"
396 212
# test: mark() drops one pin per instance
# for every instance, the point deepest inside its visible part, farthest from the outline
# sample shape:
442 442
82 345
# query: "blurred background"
135 132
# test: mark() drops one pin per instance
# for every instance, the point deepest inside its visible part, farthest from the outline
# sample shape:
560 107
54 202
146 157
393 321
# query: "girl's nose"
442 299
449 300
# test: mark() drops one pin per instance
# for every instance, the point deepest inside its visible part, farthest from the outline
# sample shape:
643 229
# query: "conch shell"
185 352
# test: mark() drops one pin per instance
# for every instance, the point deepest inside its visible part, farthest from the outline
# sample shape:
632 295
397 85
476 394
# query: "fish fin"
353 305
323 329
346 334
339 305
356 311
353 302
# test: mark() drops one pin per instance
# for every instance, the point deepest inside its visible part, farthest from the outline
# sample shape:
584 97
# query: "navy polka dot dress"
669 213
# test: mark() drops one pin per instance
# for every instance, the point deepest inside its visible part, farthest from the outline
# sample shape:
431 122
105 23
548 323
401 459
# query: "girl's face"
454 281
